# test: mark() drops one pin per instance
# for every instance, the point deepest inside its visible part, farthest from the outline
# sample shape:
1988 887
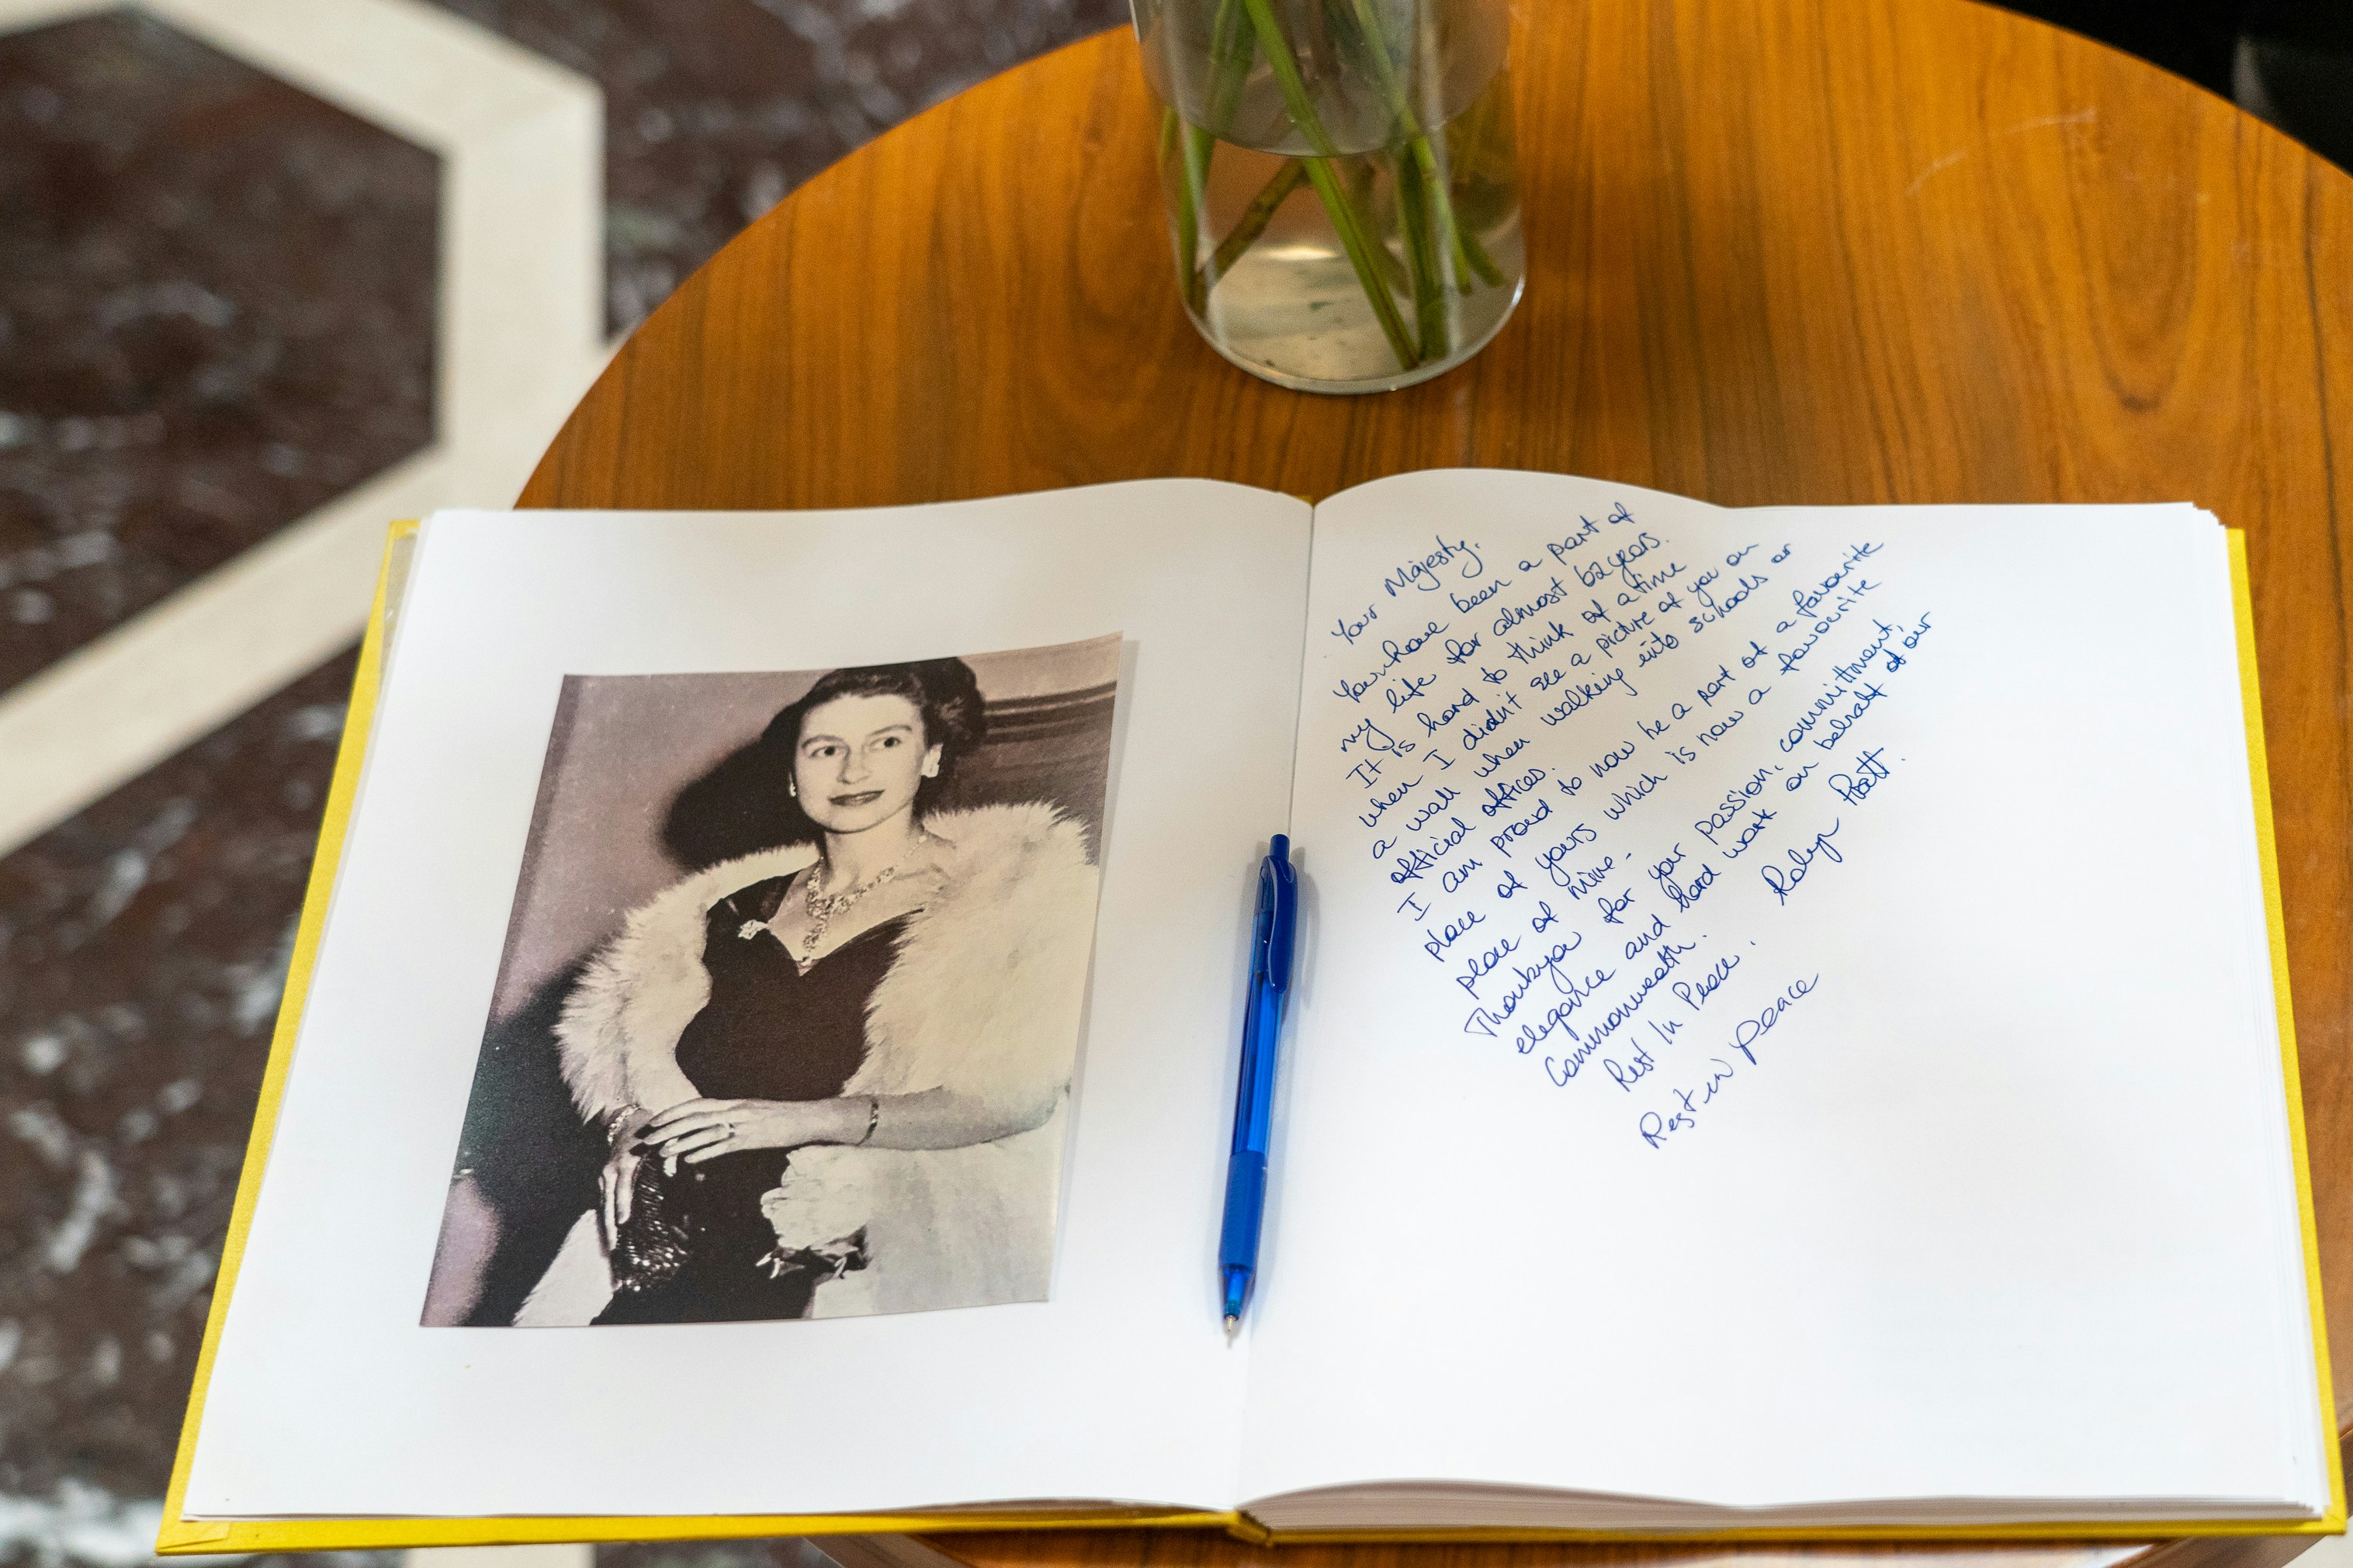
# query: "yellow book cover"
1065 694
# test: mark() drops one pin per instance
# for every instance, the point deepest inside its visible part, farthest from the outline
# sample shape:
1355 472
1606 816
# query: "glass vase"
1342 181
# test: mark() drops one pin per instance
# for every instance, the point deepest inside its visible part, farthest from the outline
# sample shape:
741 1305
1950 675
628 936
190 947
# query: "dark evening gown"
768 1032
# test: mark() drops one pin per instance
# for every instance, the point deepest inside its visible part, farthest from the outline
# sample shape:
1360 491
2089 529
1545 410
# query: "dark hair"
742 804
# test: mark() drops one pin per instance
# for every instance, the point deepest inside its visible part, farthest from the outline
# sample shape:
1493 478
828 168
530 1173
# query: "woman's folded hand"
700 1129
616 1182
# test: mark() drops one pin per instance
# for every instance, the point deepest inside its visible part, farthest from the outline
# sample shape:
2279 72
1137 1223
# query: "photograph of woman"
830 1076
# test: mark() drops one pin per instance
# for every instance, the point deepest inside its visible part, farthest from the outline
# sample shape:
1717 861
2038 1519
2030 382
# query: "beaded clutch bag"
652 1245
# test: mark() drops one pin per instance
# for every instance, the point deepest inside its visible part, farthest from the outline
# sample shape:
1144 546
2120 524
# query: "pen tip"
1233 1327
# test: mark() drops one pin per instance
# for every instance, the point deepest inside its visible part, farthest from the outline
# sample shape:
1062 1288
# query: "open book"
1790 1031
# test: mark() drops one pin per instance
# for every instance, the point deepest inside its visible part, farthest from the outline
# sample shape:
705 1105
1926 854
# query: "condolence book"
1790 1032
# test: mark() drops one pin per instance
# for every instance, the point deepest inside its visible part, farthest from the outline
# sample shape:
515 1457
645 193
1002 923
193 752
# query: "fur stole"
983 996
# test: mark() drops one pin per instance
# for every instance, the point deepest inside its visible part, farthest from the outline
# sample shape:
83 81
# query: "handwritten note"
1595 764
1758 953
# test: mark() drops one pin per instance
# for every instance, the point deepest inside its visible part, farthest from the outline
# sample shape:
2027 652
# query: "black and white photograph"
788 1014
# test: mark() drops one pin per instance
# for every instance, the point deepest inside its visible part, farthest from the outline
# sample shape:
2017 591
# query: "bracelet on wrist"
873 1119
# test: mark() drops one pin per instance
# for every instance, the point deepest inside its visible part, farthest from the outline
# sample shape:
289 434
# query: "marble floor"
271 273
268 268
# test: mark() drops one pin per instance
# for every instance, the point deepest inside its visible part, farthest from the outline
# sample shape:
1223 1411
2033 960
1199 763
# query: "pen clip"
1278 917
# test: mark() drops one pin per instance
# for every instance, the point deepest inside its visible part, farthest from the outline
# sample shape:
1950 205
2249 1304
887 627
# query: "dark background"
2290 61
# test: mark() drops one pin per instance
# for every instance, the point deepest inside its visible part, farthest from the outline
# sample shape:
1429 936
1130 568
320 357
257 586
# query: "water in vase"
1345 206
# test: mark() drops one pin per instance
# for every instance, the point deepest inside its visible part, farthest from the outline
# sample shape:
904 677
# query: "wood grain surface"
1779 252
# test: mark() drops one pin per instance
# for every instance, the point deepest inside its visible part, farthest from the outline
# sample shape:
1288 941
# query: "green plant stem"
1321 173
1424 273
1177 158
1469 255
1255 218
1421 257
1359 178
1185 149
1364 256
1285 65
1230 50
1196 146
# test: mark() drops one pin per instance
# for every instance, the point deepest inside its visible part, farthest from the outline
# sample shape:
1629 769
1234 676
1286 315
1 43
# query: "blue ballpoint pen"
1272 934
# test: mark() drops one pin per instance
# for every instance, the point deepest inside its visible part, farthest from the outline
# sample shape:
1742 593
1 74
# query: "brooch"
749 930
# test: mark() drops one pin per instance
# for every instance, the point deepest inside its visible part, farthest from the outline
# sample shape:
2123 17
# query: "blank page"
1784 1014
329 1398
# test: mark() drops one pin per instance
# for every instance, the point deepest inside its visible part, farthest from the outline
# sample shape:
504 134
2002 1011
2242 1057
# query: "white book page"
1795 1026
328 1398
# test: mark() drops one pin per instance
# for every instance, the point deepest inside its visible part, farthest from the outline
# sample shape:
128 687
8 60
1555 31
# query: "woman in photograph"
833 1073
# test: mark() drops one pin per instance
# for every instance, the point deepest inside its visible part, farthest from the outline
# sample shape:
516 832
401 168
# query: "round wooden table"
1779 251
